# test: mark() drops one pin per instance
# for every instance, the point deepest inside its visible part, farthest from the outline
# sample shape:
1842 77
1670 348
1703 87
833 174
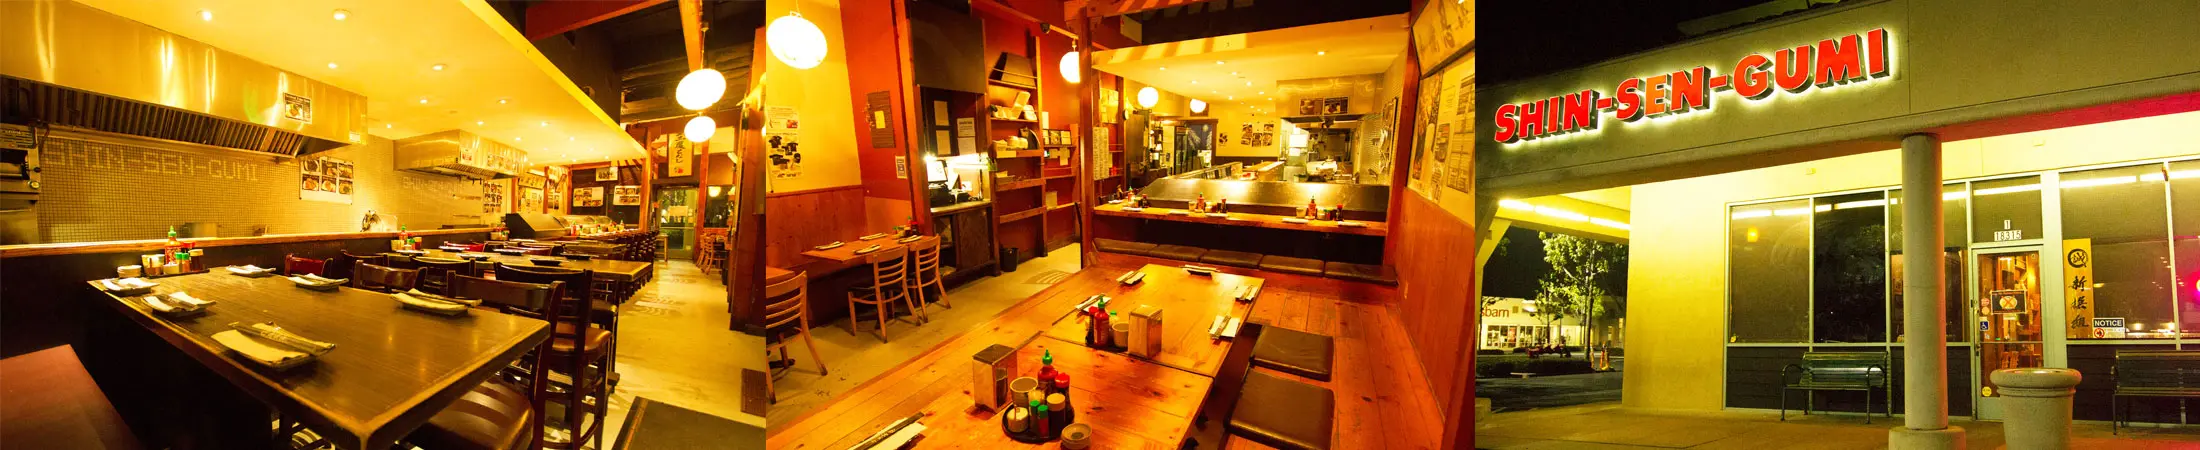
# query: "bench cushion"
1124 247
1247 260
1357 272
1282 413
1294 352
1178 252
1286 264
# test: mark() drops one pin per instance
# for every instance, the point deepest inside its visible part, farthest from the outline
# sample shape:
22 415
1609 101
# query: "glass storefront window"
2184 200
2122 211
1849 288
2006 209
1955 202
1768 272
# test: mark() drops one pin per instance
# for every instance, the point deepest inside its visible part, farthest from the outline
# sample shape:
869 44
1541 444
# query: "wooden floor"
1382 401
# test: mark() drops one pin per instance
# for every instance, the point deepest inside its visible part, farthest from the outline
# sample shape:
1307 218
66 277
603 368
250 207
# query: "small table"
1128 402
392 367
624 277
847 252
1188 304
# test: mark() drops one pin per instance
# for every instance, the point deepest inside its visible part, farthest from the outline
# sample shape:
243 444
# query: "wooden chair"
787 317
580 351
888 273
341 265
707 257
510 297
924 272
294 265
399 262
436 273
383 279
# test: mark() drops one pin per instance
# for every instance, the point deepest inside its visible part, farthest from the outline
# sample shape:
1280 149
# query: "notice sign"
2078 291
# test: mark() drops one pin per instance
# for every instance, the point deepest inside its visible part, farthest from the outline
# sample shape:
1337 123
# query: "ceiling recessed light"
1248 84
331 65
1263 92
1164 68
546 123
436 67
1195 81
388 126
1233 97
342 14
1218 63
503 101
478 123
1319 53
571 139
517 139
206 15
423 100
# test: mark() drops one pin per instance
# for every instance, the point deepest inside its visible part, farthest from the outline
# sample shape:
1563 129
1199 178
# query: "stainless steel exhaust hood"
70 65
460 154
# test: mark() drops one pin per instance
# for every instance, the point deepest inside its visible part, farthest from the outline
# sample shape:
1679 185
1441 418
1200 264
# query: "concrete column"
2038 402
1925 343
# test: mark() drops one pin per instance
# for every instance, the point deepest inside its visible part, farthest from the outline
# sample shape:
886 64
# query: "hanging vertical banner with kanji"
2078 287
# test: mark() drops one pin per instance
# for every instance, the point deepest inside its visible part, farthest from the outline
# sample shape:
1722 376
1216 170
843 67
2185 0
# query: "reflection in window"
2124 214
1849 288
2006 209
1955 201
2184 199
1768 275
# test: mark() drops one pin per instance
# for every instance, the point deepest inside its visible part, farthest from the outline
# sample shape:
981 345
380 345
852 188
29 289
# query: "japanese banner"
2078 287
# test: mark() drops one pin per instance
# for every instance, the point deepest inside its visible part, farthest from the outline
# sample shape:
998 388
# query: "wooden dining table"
392 368
1189 304
606 269
1130 402
847 252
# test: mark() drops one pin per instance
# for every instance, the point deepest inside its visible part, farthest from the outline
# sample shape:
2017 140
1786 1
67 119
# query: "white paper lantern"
796 41
700 89
1147 96
700 128
1198 107
1069 67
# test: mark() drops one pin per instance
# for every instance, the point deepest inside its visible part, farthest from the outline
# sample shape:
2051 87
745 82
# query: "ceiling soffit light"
700 128
795 41
699 89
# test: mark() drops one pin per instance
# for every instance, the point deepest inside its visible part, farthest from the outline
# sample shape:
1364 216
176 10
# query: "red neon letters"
1829 62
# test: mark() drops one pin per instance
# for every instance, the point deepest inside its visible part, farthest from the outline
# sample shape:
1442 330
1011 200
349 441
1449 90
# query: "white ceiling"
494 82
1252 63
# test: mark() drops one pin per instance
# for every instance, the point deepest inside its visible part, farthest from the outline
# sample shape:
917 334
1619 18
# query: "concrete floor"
1610 426
674 348
854 358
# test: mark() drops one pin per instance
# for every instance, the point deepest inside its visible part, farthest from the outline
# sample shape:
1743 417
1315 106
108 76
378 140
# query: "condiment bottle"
1046 372
168 252
1039 419
1061 386
1098 331
1310 209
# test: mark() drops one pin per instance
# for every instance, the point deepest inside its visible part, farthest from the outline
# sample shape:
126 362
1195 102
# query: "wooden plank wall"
1436 263
804 219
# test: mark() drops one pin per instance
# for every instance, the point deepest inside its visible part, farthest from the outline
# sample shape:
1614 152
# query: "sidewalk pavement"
1610 426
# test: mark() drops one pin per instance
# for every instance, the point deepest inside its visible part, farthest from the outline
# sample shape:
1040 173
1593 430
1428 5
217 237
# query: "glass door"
676 218
2005 311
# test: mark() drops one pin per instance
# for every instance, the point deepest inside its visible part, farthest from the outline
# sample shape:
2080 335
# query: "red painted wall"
875 64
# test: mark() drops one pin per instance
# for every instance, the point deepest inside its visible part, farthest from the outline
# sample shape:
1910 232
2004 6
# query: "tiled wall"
97 191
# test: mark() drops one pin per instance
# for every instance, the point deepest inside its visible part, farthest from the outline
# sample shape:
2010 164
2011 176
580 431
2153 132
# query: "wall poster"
325 180
588 197
607 173
781 133
2078 289
626 195
492 198
1461 164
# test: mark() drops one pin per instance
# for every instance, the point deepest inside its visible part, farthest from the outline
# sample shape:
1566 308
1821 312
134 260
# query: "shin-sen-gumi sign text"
1829 62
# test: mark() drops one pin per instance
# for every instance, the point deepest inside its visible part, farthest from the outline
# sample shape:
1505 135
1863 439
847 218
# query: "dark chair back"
294 265
511 297
384 279
436 273
399 262
575 285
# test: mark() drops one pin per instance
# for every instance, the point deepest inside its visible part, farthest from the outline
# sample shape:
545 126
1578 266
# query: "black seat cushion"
1282 413
1179 252
1295 352
1124 247
1286 264
1358 272
1248 260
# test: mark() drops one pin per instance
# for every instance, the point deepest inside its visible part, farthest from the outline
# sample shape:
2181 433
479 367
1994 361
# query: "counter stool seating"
1837 371
294 265
2151 373
383 279
1178 252
885 288
1294 352
1247 260
786 317
1124 247
1282 413
1287 264
924 273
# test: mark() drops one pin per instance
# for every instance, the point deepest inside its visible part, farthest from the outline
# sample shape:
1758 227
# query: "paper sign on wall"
901 167
680 157
2078 289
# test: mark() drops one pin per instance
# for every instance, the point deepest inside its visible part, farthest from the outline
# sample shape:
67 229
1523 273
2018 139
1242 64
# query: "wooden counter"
153 245
1245 220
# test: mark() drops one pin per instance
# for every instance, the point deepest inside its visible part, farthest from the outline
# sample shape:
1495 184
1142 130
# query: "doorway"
676 218
2004 288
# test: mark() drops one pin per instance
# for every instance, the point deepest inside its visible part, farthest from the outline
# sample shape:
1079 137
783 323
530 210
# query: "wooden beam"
691 32
546 19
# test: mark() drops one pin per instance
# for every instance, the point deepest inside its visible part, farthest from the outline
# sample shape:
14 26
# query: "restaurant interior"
1121 225
231 224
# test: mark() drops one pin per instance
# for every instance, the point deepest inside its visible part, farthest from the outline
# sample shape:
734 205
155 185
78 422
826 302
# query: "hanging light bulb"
1198 106
700 128
699 89
796 41
1069 67
1147 96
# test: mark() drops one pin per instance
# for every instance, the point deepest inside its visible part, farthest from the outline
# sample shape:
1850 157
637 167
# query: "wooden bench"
2163 373
1837 371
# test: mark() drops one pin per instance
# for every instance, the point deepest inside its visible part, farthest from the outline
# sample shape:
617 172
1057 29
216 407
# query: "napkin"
260 352
195 302
269 331
869 249
909 239
871 236
445 299
834 245
433 306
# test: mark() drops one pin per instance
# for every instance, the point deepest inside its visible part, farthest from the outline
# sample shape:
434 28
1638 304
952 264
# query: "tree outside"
1581 281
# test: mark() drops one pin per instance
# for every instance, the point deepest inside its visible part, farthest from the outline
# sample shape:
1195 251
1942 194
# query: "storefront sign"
1830 62
2078 291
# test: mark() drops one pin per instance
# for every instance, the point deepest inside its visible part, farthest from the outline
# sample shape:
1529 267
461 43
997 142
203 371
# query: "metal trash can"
1008 259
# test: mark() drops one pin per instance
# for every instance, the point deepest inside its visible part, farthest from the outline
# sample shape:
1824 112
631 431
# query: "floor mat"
1048 277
